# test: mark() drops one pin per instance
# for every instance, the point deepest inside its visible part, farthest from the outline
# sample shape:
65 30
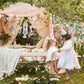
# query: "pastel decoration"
38 26
53 39
34 29
63 31
18 27
17 18
15 23
25 28
24 36
9 25
31 27
22 18
10 17
12 46
13 32
34 18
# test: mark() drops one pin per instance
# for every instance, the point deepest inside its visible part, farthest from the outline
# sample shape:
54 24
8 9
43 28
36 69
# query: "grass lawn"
75 78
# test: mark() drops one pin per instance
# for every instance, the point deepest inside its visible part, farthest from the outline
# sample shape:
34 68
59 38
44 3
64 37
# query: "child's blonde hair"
49 44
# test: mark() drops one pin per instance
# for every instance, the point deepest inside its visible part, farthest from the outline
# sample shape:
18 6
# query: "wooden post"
51 27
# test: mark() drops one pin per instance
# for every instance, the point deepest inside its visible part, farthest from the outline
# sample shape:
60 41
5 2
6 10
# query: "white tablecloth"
8 59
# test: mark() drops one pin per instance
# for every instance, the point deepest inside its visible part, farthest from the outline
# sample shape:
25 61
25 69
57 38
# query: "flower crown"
52 39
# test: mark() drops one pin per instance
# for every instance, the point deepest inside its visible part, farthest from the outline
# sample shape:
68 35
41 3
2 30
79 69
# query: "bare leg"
67 74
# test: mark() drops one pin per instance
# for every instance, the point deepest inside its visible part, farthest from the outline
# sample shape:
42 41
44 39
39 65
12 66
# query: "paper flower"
21 58
44 77
44 57
34 29
52 79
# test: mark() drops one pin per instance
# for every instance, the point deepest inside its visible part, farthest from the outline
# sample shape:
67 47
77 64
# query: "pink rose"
44 57
44 77
51 79
21 58
35 78
11 81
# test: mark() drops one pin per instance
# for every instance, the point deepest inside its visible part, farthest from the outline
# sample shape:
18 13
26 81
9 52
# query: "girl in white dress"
68 59
52 56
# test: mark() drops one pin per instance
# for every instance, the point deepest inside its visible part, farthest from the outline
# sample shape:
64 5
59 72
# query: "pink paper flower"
44 77
44 57
52 79
31 79
11 81
28 50
39 79
35 78
21 58
34 29
6 83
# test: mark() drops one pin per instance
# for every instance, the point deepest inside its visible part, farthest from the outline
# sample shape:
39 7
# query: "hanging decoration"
19 28
10 17
17 18
22 18
34 18
25 29
31 28
40 25
13 32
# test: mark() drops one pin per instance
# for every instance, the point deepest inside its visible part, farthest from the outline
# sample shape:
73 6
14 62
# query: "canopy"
22 10
43 22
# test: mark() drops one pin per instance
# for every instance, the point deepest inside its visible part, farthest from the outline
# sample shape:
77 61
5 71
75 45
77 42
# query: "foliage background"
70 10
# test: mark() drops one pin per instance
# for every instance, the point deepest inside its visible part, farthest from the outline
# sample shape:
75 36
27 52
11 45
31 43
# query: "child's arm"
67 46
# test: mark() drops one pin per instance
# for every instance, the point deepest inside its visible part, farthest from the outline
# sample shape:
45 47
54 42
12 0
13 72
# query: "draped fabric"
11 27
42 25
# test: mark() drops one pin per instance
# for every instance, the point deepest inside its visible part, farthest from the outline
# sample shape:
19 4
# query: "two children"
67 60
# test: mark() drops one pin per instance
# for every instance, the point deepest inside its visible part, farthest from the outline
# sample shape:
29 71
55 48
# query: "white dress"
50 52
68 59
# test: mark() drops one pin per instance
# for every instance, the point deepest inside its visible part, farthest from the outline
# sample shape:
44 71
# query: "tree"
70 10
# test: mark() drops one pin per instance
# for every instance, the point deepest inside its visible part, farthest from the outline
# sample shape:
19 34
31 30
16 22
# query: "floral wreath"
52 39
